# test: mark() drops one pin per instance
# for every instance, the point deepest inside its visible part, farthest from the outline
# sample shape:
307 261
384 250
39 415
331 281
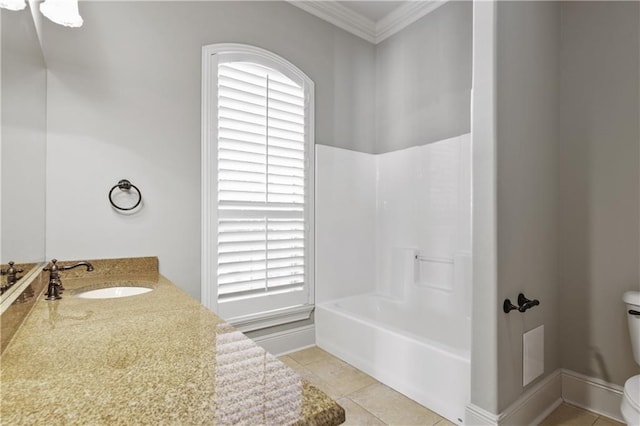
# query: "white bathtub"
420 353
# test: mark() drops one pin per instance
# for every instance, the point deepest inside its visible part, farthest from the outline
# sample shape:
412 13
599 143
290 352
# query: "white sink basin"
113 292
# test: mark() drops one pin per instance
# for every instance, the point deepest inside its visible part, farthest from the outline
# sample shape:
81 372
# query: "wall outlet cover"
532 354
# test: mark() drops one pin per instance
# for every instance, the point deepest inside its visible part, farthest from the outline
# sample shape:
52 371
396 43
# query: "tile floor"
368 402
569 415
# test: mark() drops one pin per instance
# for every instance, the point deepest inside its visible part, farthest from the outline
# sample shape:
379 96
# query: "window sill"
269 319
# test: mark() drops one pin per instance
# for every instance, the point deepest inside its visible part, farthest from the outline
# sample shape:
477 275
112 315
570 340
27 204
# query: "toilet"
630 406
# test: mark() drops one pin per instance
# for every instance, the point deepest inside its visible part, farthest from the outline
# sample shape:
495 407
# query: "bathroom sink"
112 292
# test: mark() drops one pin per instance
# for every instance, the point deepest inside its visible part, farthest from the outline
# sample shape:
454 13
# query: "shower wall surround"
376 205
345 222
423 202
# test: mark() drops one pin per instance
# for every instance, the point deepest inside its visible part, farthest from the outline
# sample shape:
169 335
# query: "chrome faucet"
55 284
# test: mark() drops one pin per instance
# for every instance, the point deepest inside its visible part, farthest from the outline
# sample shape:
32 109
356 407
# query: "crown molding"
340 16
373 32
404 16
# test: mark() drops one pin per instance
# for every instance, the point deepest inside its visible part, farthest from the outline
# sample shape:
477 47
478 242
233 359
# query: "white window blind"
261 186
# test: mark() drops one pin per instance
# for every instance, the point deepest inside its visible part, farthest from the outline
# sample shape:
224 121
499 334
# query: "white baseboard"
592 394
545 396
532 406
284 342
476 416
536 403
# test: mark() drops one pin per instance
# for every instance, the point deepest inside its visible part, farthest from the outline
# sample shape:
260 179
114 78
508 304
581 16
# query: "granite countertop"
155 358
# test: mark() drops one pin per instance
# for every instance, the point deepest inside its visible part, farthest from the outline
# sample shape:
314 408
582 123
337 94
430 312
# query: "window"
257 187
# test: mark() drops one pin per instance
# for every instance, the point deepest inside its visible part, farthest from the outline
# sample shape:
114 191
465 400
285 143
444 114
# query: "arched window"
257 187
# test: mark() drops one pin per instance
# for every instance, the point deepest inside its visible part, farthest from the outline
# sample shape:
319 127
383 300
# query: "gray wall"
528 40
423 80
568 183
600 175
124 101
23 136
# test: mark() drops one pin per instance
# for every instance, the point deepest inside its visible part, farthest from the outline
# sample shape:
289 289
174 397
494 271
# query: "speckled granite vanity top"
155 358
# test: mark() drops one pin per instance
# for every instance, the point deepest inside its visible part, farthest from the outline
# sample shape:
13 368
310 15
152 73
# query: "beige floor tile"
342 377
569 415
605 421
445 422
356 415
320 384
309 355
392 407
290 362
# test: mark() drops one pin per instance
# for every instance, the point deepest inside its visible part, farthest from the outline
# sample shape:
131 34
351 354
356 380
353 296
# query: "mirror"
22 145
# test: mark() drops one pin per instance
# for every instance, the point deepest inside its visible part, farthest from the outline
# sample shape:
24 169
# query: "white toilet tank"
632 300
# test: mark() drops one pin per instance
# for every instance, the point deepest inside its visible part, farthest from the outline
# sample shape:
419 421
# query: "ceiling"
373 10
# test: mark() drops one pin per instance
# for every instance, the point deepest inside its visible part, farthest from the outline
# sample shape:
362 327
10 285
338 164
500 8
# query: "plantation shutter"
261 230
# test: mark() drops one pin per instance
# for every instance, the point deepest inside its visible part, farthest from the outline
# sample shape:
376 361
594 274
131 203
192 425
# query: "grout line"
366 409
362 388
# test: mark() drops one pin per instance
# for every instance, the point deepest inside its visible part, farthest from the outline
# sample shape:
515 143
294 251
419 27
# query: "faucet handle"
53 267
10 270
13 270
55 285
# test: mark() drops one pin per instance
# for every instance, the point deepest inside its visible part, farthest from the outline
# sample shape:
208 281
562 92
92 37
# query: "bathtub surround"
394 201
345 211
412 208
424 203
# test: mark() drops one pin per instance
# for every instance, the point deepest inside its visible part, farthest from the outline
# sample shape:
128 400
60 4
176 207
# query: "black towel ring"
125 185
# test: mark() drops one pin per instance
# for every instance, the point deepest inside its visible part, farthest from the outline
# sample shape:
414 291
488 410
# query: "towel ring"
125 185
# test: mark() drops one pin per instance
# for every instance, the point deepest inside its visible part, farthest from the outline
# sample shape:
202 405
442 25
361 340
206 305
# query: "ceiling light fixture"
13 4
63 12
